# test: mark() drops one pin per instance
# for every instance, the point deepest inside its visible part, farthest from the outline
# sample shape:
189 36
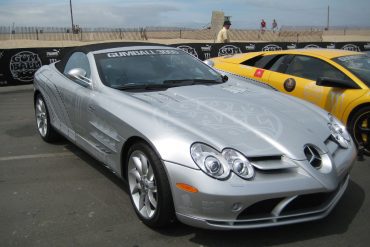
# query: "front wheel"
359 127
46 131
149 187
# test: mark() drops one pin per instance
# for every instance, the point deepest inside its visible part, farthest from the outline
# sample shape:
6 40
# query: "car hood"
253 120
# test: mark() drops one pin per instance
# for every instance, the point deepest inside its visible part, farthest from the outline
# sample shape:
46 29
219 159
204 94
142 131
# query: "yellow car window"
358 65
312 68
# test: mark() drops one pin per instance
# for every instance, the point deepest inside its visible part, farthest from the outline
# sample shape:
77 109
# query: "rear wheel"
359 128
46 131
149 187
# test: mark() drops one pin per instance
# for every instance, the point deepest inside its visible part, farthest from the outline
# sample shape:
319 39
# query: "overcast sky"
184 13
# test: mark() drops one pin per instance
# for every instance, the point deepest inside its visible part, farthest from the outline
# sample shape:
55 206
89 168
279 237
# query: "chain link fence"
101 34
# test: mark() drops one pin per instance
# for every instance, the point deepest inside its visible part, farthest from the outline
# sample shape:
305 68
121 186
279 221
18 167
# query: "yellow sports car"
336 80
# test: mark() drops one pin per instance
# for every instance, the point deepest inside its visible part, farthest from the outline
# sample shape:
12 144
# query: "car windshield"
153 68
359 65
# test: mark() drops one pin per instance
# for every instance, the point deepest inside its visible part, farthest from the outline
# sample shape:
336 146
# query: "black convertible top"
96 47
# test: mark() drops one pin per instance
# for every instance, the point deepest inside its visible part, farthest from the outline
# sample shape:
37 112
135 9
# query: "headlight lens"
219 165
339 131
238 163
213 166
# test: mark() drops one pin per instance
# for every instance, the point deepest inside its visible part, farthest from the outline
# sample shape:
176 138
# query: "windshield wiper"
166 84
138 86
184 82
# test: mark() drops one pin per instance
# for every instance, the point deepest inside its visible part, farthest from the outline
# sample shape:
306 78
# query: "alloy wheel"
41 117
142 184
362 131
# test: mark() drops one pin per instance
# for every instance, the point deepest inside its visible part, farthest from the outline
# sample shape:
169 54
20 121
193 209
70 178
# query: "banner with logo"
17 66
205 51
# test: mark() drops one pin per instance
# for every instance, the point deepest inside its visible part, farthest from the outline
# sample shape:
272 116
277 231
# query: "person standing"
274 26
263 26
223 35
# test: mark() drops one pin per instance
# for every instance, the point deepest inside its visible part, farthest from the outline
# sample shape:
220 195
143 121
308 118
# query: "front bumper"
270 199
272 219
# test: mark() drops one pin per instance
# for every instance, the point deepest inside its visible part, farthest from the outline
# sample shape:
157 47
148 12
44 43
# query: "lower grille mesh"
259 209
303 203
308 202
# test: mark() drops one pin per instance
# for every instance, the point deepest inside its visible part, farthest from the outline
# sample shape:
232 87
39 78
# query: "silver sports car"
213 151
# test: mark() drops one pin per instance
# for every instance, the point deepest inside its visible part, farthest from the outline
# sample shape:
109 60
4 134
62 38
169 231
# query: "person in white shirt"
223 36
274 26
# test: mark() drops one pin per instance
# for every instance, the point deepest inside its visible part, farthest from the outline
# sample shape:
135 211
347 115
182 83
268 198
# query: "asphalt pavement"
57 195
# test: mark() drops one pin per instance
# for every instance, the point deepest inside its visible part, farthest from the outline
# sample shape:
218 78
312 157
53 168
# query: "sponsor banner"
204 51
314 45
18 66
351 46
201 51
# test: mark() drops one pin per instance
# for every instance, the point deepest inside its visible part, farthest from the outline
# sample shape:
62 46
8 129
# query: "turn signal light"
187 188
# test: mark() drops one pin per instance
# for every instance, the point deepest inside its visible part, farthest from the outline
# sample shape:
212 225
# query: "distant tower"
217 21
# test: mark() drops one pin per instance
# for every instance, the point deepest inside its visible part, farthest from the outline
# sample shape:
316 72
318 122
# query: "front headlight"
238 163
219 165
339 131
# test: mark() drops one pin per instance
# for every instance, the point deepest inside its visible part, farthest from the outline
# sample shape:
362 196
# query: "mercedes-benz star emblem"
313 156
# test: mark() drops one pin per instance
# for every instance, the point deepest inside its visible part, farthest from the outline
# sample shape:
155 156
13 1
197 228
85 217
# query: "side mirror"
79 75
209 63
338 83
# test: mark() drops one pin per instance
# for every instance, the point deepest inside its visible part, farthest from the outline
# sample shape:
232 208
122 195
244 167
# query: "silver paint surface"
256 121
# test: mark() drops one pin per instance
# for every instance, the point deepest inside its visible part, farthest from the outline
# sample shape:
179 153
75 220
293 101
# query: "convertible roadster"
213 151
335 80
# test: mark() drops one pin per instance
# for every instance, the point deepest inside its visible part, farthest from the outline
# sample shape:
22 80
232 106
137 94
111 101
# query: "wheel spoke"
150 174
138 165
364 130
38 106
152 199
42 105
141 201
144 163
136 189
147 205
151 185
134 173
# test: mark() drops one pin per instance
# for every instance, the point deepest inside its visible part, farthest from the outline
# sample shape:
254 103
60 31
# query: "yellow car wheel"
359 127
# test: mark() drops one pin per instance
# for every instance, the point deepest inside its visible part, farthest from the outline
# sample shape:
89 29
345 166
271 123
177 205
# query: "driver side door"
74 94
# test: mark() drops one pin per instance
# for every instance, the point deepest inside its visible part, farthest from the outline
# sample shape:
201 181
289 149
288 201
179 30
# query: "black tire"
164 214
50 134
359 127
